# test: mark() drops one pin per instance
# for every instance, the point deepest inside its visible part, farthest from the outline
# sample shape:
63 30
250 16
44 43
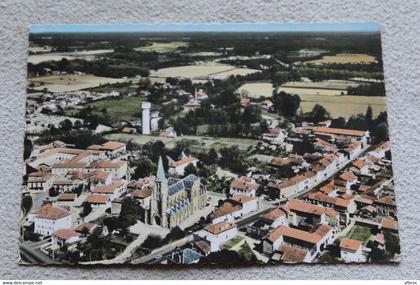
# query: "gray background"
399 21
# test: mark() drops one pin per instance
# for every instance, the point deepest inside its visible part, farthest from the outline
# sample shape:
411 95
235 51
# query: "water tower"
146 118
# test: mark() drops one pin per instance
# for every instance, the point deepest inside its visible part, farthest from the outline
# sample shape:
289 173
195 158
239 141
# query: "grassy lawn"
232 242
126 108
246 251
194 141
360 233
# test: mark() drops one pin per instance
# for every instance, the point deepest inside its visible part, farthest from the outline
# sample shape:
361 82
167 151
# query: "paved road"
31 254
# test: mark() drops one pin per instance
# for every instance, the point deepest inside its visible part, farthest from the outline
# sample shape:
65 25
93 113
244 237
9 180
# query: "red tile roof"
65 234
243 185
351 244
292 254
336 131
108 189
389 224
67 197
220 227
184 161
97 199
51 213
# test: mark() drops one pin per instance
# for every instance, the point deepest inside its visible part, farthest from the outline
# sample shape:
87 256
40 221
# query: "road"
30 253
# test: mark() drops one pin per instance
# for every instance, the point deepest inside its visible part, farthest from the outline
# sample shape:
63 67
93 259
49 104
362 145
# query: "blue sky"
311 27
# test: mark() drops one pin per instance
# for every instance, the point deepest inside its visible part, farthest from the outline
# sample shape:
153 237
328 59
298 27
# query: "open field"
162 47
196 141
257 90
68 83
361 233
126 108
200 71
345 105
344 59
56 56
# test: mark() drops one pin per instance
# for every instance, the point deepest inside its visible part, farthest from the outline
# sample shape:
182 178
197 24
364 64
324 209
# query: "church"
167 202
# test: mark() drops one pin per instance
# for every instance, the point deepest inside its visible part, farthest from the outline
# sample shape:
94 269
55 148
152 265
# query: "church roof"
161 171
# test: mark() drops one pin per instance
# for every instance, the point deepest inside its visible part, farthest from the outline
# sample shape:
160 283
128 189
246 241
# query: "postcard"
235 144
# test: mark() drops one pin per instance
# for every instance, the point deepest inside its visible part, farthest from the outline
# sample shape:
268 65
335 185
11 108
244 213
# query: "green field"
361 233
126 108
232 242
196 142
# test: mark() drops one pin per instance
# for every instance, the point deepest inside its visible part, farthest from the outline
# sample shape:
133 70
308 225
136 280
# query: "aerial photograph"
238 144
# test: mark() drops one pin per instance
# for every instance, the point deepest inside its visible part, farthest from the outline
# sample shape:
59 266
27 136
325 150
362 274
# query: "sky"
263 27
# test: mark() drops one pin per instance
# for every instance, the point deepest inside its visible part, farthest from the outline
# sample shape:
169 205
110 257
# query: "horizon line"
208 27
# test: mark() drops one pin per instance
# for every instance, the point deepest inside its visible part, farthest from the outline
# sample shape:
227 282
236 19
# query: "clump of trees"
286 104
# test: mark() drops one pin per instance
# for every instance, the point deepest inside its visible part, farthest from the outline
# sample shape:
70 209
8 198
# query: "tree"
380 133
152 242
392 243
369 114
129 213
111 223
286 104
27 203
27 148
339 123
144 167
190 169
319 113
87 209
66 125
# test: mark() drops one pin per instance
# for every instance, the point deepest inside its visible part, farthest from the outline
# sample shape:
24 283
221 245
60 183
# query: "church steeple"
160 176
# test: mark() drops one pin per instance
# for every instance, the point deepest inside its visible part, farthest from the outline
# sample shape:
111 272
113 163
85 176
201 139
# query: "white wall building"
49 219
218 234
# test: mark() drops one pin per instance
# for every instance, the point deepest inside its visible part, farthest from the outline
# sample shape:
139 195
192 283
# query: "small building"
243 186
65 237
99 200
49 219
178 167
218 234
351 251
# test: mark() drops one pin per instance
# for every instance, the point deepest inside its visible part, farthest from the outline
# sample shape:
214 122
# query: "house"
276 136
292 186
99 200
128 130
168 133
185 256
360 135
389 225
304 213
243 186
65 237
266 104
360 167
235 207
278 216
86 228
118 169
115 189
351 251
111 148
386 206
178 167
39 181
49 219
218 234
346 179
381 150
313 242
290 254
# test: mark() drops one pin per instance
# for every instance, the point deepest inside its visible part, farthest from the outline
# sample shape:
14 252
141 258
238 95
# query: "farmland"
257 90
200 71
198 142
68 83
344 59
56 56
345 105
162 47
